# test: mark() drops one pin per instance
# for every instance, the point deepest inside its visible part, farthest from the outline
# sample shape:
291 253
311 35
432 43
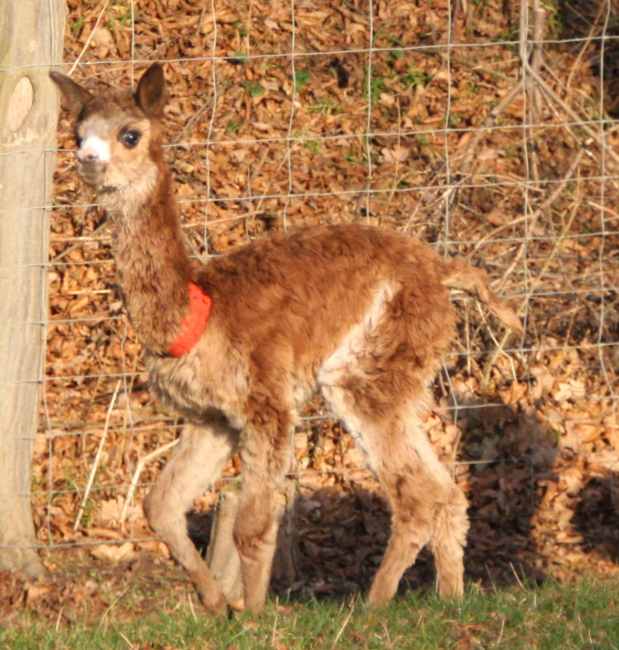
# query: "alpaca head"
118 136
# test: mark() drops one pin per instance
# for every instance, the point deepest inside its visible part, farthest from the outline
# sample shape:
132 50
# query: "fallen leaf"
114 552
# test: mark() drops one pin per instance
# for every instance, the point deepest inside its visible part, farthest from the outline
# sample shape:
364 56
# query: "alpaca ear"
74 95
150 95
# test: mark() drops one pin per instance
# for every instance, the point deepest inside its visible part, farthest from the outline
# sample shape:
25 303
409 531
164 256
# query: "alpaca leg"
427 507
255 535
448 542
444 503
196 464
261 508
407 539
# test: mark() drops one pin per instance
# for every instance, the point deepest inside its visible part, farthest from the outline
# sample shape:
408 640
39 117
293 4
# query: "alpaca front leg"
266 457
222 557
198 461
255 535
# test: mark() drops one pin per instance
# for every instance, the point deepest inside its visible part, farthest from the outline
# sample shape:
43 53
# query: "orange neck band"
194 323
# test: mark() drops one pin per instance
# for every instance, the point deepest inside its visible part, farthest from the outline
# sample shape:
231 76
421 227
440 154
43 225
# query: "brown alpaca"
359 313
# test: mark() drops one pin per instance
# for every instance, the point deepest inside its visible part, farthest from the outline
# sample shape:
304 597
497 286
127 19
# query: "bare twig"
138 471
534 95
106 613
518 580
547 203
343 627
433 195
533 217
95 465
573 115
81 242
583 49
559 240
489 121
539 30
535 214
206 106
89 39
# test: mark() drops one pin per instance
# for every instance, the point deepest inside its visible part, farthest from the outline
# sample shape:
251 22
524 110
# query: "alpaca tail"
461 275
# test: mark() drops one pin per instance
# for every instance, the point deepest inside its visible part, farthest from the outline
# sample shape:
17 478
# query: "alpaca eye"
130 138
78 141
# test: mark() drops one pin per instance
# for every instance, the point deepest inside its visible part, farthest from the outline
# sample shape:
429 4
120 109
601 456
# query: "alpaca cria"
358 313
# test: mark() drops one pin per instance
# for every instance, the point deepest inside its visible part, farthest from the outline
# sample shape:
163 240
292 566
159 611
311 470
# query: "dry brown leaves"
536 430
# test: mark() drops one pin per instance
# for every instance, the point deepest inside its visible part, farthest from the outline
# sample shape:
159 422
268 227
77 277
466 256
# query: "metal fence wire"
487 128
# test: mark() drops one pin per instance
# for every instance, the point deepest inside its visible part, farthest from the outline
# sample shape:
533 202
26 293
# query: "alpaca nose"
94 149
88 157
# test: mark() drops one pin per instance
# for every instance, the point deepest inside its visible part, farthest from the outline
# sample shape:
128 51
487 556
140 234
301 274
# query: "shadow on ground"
583 19
505 456
596 516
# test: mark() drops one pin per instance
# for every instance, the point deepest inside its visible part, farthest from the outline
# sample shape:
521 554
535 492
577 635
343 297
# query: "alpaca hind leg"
448 542
447 506
427 507
197 462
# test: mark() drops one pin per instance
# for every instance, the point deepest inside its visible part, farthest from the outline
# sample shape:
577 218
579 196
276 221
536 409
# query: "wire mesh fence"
487 128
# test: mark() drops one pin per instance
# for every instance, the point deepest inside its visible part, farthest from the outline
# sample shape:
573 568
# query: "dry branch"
95 464
137 473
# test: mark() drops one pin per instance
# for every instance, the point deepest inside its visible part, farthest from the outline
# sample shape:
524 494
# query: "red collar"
194 323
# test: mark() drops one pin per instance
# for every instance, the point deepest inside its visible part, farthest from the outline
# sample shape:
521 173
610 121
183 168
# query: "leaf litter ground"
533 426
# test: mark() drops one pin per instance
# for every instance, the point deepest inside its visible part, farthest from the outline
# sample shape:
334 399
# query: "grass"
232 127
301 79
376 87
580 616
324 107
415 78
254 88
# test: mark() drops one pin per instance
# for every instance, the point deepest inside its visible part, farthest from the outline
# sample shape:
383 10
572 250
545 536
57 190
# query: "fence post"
31 37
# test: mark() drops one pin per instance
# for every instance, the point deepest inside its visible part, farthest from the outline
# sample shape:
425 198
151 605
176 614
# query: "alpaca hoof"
254 608
213 601
378 598
217 608
451 589
237 605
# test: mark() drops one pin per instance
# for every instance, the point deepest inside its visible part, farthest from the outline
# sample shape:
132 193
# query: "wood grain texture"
31 37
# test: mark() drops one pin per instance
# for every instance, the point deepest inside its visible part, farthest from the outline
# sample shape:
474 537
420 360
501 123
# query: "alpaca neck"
153 266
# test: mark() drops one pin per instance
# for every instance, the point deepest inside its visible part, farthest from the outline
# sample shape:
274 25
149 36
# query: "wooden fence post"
31 37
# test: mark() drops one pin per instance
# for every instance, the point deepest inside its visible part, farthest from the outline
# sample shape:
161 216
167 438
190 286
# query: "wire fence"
482 144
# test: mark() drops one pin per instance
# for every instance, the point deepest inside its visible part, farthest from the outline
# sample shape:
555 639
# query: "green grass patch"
373 86
253 88
301 79
580 616
313 146
76 25
414 78
232 127
240 28
239 57
324 107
